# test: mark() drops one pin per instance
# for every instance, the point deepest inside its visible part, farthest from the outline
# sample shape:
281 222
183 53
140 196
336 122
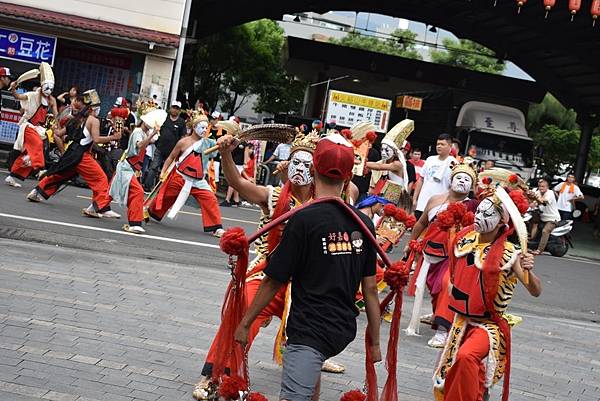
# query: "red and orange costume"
188 178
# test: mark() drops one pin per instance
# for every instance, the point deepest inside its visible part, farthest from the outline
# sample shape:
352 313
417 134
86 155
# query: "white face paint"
201 127
96 110
47 88
487 216
387 152
462 183
299 168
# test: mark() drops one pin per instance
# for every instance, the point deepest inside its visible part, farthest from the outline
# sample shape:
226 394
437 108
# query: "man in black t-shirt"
171 131
326 255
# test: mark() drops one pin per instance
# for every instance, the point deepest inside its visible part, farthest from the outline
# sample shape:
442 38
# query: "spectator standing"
66 98
171 131
417 162
489 164
568 192
5 76
282 153
435 176
549 214
240 157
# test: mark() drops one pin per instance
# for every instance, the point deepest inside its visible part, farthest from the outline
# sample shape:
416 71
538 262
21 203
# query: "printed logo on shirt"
337 244
357 241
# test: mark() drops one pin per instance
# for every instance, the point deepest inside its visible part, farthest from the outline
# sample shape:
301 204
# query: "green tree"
468 55
230 66
556 147
401 43
550 111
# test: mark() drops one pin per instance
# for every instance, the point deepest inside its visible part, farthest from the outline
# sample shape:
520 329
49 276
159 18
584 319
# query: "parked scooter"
560 238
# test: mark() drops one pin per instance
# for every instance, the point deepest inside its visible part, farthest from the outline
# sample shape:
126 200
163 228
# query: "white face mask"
387 152
462 183
299 168
47 89
487 217
201 127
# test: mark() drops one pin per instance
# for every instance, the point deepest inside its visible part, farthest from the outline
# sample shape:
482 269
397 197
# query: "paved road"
90 313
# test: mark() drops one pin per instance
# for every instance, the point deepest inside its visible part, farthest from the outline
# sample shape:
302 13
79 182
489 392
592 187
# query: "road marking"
192 213
581 259
108 230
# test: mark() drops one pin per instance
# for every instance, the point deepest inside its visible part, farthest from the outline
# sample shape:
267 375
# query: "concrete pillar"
585 141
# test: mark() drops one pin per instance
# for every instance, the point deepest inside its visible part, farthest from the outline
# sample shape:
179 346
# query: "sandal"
203 389
333 367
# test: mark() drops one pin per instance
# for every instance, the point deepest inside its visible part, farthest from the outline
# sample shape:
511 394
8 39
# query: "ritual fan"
505 178
31 74
360 130
280 133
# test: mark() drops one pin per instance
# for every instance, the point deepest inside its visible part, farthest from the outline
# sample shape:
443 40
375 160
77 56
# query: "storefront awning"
493 118
88 24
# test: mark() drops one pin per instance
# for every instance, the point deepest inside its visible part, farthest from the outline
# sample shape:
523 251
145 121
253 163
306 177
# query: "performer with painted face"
125 187
484 272
188 178
390 177
84 130
32 131
442 219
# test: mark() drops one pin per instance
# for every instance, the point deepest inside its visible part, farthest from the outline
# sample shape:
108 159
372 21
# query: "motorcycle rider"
549 215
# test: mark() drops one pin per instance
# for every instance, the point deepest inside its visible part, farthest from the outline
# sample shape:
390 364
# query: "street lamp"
328 82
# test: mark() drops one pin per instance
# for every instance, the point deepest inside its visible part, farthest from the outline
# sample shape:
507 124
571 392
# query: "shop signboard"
27 47
346 109
409 103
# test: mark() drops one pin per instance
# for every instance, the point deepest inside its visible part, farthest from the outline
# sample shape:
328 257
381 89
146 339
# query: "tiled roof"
88 24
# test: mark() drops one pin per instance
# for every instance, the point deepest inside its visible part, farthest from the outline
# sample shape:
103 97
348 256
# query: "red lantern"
595 11
574 6
548 4
520 3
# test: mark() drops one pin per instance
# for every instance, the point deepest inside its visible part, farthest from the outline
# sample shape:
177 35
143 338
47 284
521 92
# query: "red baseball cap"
5 72
334 157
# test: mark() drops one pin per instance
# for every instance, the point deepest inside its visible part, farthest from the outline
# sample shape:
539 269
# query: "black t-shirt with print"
325 254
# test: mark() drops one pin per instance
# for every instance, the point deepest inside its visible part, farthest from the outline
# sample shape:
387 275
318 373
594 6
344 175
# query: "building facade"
117 47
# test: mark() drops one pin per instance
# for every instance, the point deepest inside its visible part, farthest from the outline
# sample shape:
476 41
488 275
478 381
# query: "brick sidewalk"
77 326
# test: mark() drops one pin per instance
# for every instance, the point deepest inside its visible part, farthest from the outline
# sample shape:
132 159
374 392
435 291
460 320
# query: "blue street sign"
28 47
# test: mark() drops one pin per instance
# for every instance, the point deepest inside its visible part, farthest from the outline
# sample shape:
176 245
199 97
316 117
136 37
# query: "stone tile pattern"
82 326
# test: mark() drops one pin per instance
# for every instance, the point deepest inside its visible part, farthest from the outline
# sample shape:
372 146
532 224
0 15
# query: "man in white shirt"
549 214
282 153
435 176
568 192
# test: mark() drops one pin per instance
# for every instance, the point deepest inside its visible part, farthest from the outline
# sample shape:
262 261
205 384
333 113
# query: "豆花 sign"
28 47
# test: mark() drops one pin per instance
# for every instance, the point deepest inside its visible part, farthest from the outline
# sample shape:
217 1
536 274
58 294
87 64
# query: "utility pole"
180 49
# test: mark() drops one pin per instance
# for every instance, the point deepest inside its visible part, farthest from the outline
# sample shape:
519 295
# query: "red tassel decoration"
371 136
256 397
354 395
234 242
230 387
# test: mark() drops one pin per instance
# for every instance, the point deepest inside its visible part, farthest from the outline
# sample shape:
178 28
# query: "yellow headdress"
398 134
46 74
305 142
91 98
468 167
